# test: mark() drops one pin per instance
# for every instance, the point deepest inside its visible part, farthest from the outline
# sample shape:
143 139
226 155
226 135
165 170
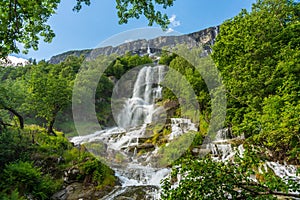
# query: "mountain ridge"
205 37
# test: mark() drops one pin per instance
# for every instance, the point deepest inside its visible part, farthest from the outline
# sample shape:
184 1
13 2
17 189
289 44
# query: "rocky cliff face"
204 37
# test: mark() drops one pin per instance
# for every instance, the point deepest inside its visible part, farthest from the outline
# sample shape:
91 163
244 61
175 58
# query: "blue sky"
97 22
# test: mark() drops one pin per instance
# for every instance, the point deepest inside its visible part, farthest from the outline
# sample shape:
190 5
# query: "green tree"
12 95
134 9
257 53
25 21
166 58
193 75
280 123
207 179
50 89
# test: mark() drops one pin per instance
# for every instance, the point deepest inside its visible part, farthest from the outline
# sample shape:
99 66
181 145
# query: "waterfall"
122 143
140 107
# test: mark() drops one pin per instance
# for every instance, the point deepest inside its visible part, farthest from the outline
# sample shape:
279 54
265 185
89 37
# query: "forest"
257 54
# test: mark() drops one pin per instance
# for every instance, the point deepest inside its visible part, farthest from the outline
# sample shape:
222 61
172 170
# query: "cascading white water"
138 111
181 126
140 107
222 150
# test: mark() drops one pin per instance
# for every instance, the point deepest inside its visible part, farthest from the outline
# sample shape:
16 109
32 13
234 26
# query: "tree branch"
21 120
268 192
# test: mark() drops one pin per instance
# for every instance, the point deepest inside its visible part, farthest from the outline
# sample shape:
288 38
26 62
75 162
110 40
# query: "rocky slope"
204 37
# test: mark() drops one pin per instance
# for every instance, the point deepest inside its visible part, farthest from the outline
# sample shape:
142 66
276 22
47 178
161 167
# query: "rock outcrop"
77 191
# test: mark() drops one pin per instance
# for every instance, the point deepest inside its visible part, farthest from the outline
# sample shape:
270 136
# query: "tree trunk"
50 126
20 118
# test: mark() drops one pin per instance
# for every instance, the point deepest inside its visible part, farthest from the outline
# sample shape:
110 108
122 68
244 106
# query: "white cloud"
173 21
169 30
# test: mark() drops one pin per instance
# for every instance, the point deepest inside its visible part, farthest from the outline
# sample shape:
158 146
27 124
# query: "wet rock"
61 195
200 151
171 107
146 146
145 192
76 191
71 175
60 160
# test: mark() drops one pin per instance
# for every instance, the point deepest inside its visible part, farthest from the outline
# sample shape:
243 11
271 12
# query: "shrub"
27 179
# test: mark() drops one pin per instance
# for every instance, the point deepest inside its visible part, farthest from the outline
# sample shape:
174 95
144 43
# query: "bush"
50 145
13 196
27 179
100 173
13 146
